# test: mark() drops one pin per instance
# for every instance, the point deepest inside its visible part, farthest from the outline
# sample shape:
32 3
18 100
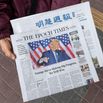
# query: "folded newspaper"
56 53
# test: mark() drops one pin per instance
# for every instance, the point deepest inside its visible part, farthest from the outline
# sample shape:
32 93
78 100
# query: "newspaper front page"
52 60
80 11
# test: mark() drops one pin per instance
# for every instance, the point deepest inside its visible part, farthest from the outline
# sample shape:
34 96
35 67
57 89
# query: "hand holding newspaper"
53 56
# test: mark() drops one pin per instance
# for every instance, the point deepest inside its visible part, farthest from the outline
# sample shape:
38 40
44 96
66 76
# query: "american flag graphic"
38 47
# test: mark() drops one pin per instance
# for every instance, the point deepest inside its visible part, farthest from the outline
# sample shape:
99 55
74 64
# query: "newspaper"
80 11
52 60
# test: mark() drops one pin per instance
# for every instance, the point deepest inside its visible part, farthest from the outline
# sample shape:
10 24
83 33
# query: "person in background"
11 9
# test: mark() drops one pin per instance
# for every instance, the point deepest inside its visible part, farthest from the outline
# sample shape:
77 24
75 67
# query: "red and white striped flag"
38 47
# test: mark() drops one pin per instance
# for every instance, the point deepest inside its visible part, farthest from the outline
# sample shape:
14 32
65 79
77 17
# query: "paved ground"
10 89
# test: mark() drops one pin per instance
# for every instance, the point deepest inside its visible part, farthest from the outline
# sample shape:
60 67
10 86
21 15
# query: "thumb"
6 47
9 54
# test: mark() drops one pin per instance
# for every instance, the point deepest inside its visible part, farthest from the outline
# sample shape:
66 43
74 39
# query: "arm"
6 13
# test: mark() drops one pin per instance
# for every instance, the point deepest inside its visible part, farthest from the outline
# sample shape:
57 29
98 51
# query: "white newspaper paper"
52 60
80 11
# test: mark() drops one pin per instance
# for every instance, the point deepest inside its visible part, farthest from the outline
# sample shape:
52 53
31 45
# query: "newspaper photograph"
53 60
80 11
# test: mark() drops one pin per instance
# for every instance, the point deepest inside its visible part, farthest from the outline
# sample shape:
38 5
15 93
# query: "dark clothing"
60 55
10 9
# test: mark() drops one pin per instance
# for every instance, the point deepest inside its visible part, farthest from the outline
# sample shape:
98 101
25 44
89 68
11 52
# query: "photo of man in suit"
54 55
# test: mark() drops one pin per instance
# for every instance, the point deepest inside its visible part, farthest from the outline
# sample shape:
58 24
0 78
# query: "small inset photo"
74 36
80 54
84 68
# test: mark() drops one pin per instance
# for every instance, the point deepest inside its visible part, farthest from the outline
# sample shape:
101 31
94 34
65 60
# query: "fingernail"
13 57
